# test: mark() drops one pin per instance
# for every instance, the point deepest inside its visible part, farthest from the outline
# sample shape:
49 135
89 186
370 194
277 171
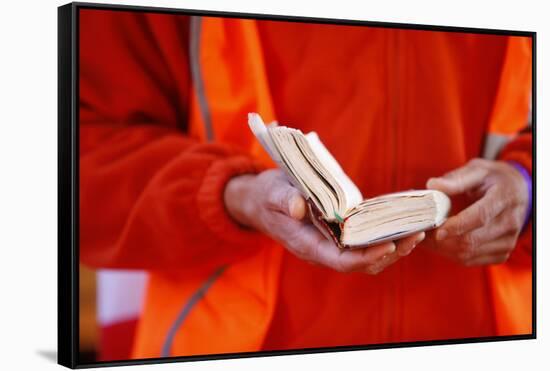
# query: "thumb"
460 180
289 201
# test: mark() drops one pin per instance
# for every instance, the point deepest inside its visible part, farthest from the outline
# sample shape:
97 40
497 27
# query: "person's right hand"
269 203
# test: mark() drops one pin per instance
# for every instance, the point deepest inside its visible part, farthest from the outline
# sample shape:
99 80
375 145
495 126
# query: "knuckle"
459 179
274 173
268 176
271 195
268 173
476 162
511 223
460 225
302 253
468 242
466 253
516 222
291 244
511 226
482 162
464 258
372 270
296 244
509 243
313 253
485 215
479 164
279 197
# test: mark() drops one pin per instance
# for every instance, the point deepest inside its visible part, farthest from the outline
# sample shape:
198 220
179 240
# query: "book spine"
331 231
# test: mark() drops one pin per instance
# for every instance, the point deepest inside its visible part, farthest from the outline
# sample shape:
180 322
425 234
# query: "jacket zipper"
394 96
394 106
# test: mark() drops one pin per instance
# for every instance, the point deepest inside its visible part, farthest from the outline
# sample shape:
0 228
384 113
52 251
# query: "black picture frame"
68 182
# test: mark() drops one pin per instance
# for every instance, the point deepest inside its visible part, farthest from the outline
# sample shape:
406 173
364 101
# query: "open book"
335 203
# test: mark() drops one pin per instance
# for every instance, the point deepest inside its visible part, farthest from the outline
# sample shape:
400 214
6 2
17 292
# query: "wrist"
526 176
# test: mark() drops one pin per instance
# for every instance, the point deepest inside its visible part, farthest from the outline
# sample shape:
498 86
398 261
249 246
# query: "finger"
297 207
500 246
475 216
306 242
403 247
298 237
351 260
460 180
504 225
407 244
286 199
450 247
488 259
383 263
464 253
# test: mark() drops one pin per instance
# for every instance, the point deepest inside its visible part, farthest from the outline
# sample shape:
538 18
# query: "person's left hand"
485 232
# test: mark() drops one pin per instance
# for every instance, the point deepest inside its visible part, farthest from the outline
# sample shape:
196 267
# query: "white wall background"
28 181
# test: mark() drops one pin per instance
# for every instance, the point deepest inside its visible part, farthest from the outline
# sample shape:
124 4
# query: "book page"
394 216
267 141
259 130
352 193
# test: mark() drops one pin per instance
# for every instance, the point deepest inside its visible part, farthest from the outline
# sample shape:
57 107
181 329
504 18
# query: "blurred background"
110 302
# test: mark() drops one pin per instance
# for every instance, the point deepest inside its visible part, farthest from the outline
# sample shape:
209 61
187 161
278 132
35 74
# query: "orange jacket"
163 104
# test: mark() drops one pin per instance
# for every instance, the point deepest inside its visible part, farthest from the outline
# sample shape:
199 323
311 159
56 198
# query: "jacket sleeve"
151 197
511 116
520 151
512 283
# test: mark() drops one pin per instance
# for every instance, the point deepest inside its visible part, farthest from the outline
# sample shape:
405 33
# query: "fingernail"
430 182
391 249
410 249
297 207
441 234
291 206
407 252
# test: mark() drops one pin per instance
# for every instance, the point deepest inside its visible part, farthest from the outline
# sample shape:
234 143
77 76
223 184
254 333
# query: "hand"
486 232
269 203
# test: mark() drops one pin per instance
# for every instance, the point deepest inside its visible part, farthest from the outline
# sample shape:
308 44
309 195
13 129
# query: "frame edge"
67 288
